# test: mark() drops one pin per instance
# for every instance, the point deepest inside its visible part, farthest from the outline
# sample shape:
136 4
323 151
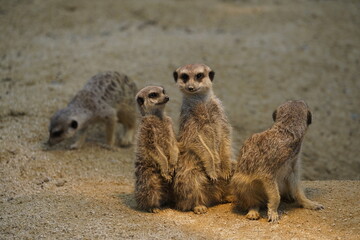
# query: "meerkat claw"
200 209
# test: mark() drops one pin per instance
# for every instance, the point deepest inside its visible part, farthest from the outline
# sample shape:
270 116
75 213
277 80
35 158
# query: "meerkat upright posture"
107 97
157 150
269 165
204 165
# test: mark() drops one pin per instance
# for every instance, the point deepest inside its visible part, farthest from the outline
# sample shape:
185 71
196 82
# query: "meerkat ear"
140 100
175 74
309 118
274 115
74 124
211 75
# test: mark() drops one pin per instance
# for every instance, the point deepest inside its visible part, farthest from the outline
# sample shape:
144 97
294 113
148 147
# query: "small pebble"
60 183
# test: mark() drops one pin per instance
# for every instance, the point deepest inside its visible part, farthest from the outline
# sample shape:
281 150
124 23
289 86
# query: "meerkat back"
112 87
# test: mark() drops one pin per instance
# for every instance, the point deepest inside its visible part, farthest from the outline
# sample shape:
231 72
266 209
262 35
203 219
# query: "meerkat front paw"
313 205
75 146
172 171
201 209
154 210
125 143
213 176
253 215
167 177
273 216
226 174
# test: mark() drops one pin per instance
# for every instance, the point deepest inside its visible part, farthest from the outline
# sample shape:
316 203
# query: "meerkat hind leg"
127 137
272 191
298 193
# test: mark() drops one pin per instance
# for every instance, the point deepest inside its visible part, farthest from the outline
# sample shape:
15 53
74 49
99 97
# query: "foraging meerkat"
157 150
269 164
204 165
107 97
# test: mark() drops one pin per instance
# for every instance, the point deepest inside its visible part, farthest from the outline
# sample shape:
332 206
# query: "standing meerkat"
269 164
107 97
157 150
204 165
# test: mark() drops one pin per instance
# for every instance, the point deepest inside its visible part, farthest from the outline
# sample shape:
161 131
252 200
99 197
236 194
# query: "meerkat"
157 151
204 166
107 97
268 165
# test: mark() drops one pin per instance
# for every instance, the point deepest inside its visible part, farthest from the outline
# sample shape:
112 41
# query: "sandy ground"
263 53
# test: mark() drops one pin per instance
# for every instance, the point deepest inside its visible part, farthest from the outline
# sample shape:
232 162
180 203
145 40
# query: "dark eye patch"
74 124
184 77
199 76
57 133
153 95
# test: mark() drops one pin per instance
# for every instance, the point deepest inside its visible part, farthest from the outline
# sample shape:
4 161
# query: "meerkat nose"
191 88
167 98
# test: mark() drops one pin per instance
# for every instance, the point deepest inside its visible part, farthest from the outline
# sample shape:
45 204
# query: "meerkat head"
152 100
293 112
194 79
63 125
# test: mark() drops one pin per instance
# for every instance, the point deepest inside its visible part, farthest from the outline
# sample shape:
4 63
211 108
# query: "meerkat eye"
74 124
140 100
153 95
57 133
199 76
184 77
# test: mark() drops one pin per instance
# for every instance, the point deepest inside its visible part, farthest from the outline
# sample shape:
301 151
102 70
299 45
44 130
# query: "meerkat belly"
212 134
162 139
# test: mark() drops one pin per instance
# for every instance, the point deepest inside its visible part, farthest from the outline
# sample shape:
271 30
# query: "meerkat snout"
61 127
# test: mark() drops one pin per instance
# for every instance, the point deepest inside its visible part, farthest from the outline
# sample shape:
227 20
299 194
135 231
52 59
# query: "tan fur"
269 163
204 165
156 152
106 97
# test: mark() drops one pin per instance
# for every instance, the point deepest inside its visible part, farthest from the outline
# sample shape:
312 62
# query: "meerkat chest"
161 132
206 114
